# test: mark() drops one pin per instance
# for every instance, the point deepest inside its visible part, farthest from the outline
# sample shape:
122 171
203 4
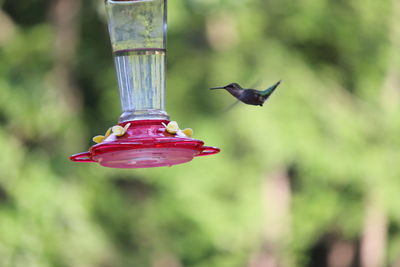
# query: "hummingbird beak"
223 87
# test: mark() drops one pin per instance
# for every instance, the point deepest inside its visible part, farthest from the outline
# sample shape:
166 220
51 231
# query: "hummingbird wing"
231 106
256 83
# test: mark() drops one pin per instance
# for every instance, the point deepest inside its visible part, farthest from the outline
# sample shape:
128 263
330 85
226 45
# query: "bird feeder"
144 136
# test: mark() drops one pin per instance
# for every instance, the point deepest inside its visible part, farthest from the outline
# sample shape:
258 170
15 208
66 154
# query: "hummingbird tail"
270 90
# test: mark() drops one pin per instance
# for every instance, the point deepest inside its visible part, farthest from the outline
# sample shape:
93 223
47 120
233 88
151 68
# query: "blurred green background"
310 179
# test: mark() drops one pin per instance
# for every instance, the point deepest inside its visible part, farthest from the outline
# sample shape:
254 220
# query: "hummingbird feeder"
144 136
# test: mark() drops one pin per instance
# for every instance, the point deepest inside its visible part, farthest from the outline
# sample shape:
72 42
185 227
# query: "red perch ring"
145 144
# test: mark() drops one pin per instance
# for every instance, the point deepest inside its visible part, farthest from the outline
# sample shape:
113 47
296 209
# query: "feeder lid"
145 144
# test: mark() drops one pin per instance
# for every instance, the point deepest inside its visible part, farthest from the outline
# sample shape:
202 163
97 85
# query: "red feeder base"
145 144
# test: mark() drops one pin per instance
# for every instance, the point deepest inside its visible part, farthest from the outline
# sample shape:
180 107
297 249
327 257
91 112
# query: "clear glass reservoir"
138 36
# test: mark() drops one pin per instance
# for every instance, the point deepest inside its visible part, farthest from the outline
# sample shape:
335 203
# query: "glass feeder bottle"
137 31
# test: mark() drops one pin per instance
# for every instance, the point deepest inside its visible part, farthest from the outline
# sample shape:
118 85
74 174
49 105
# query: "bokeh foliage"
332 128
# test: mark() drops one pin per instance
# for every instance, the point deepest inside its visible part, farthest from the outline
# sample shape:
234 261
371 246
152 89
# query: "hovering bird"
249 96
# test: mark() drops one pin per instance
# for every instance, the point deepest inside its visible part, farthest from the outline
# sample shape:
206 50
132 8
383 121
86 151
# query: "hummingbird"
249 96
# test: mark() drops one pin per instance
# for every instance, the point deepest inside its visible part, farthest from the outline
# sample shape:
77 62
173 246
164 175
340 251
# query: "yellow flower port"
173 128
115 130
